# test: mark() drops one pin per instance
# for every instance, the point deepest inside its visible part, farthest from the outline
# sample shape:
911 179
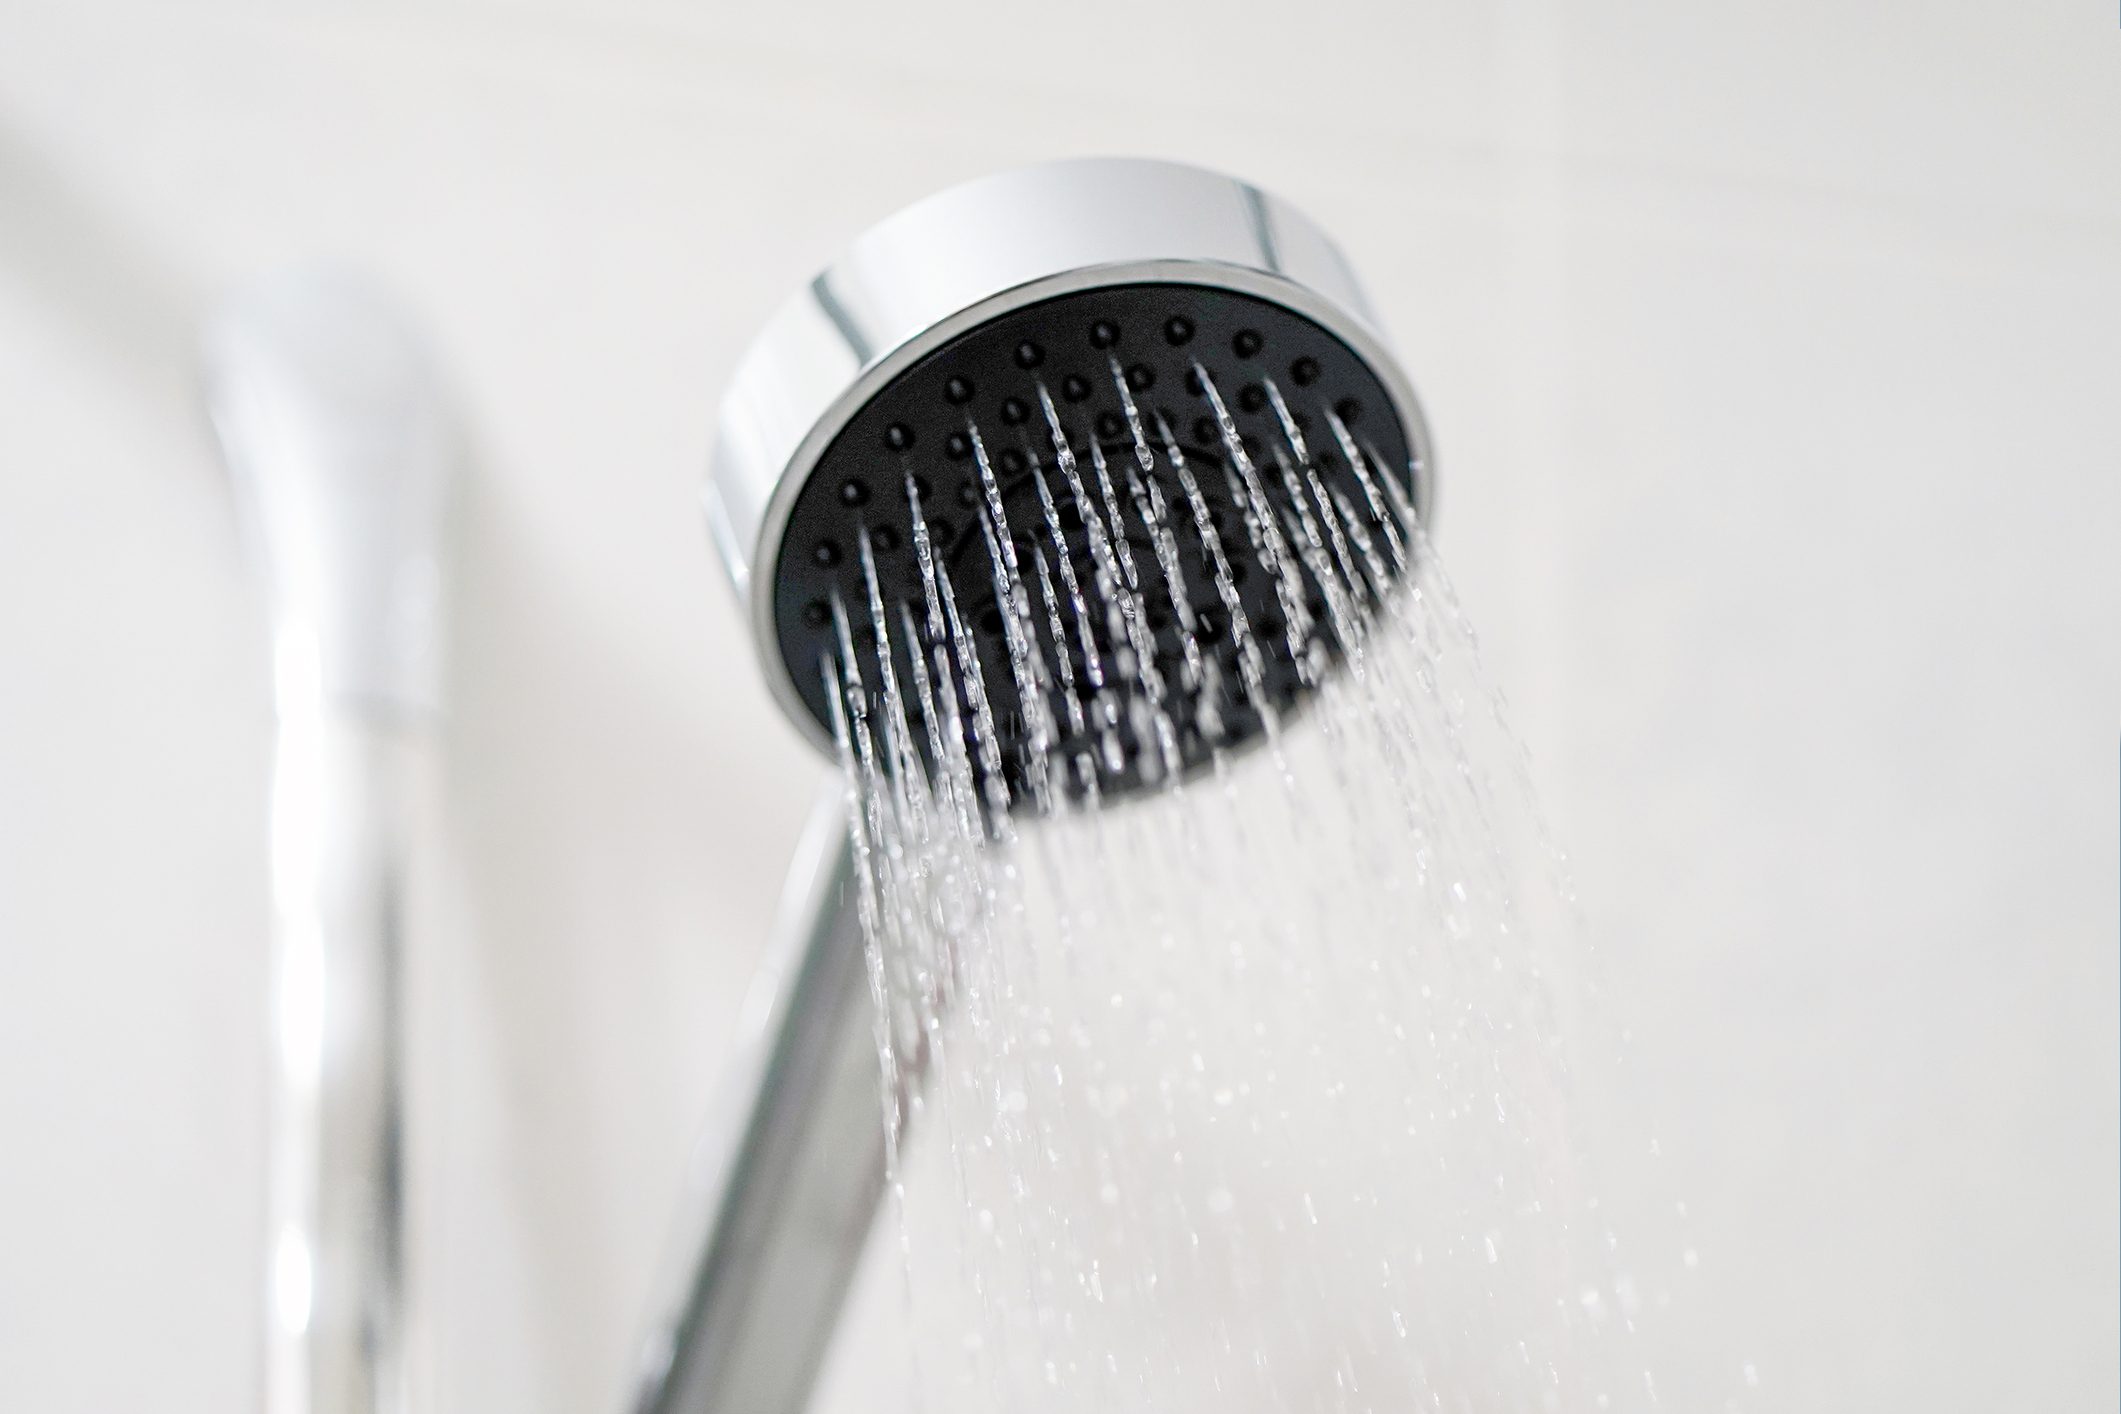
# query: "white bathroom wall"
1774 355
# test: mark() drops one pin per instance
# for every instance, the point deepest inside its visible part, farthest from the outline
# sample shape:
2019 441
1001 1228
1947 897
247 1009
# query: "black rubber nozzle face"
988 391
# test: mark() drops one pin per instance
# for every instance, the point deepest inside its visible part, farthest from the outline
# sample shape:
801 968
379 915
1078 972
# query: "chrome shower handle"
791 1167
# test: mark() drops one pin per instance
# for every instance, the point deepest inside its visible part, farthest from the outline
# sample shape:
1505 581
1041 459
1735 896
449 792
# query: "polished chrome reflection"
344 810
341 456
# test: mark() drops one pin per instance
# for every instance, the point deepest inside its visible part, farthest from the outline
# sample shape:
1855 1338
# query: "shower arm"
790 1170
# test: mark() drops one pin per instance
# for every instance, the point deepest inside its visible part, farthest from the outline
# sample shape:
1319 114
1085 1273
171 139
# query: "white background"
1774 357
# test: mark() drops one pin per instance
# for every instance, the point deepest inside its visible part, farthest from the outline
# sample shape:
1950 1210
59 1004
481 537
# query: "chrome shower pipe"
790 1168
790 1174
342 456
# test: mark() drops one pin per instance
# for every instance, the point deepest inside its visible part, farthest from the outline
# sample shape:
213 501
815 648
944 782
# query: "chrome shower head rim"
937 270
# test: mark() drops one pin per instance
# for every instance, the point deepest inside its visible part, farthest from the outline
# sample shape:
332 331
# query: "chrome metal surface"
790 1170
945 265
345 792
341 455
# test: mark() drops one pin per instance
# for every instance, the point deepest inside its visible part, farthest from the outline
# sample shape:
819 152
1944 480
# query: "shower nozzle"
1066 425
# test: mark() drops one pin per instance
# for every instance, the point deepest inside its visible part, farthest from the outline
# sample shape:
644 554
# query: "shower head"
1067 435
1066 480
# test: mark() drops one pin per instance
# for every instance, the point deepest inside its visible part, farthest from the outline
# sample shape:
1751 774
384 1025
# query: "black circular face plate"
920 426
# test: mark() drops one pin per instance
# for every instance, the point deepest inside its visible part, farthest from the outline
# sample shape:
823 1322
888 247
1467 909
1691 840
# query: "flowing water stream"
1251 1090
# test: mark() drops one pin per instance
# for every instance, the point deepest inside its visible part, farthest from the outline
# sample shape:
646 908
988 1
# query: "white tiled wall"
1774 354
